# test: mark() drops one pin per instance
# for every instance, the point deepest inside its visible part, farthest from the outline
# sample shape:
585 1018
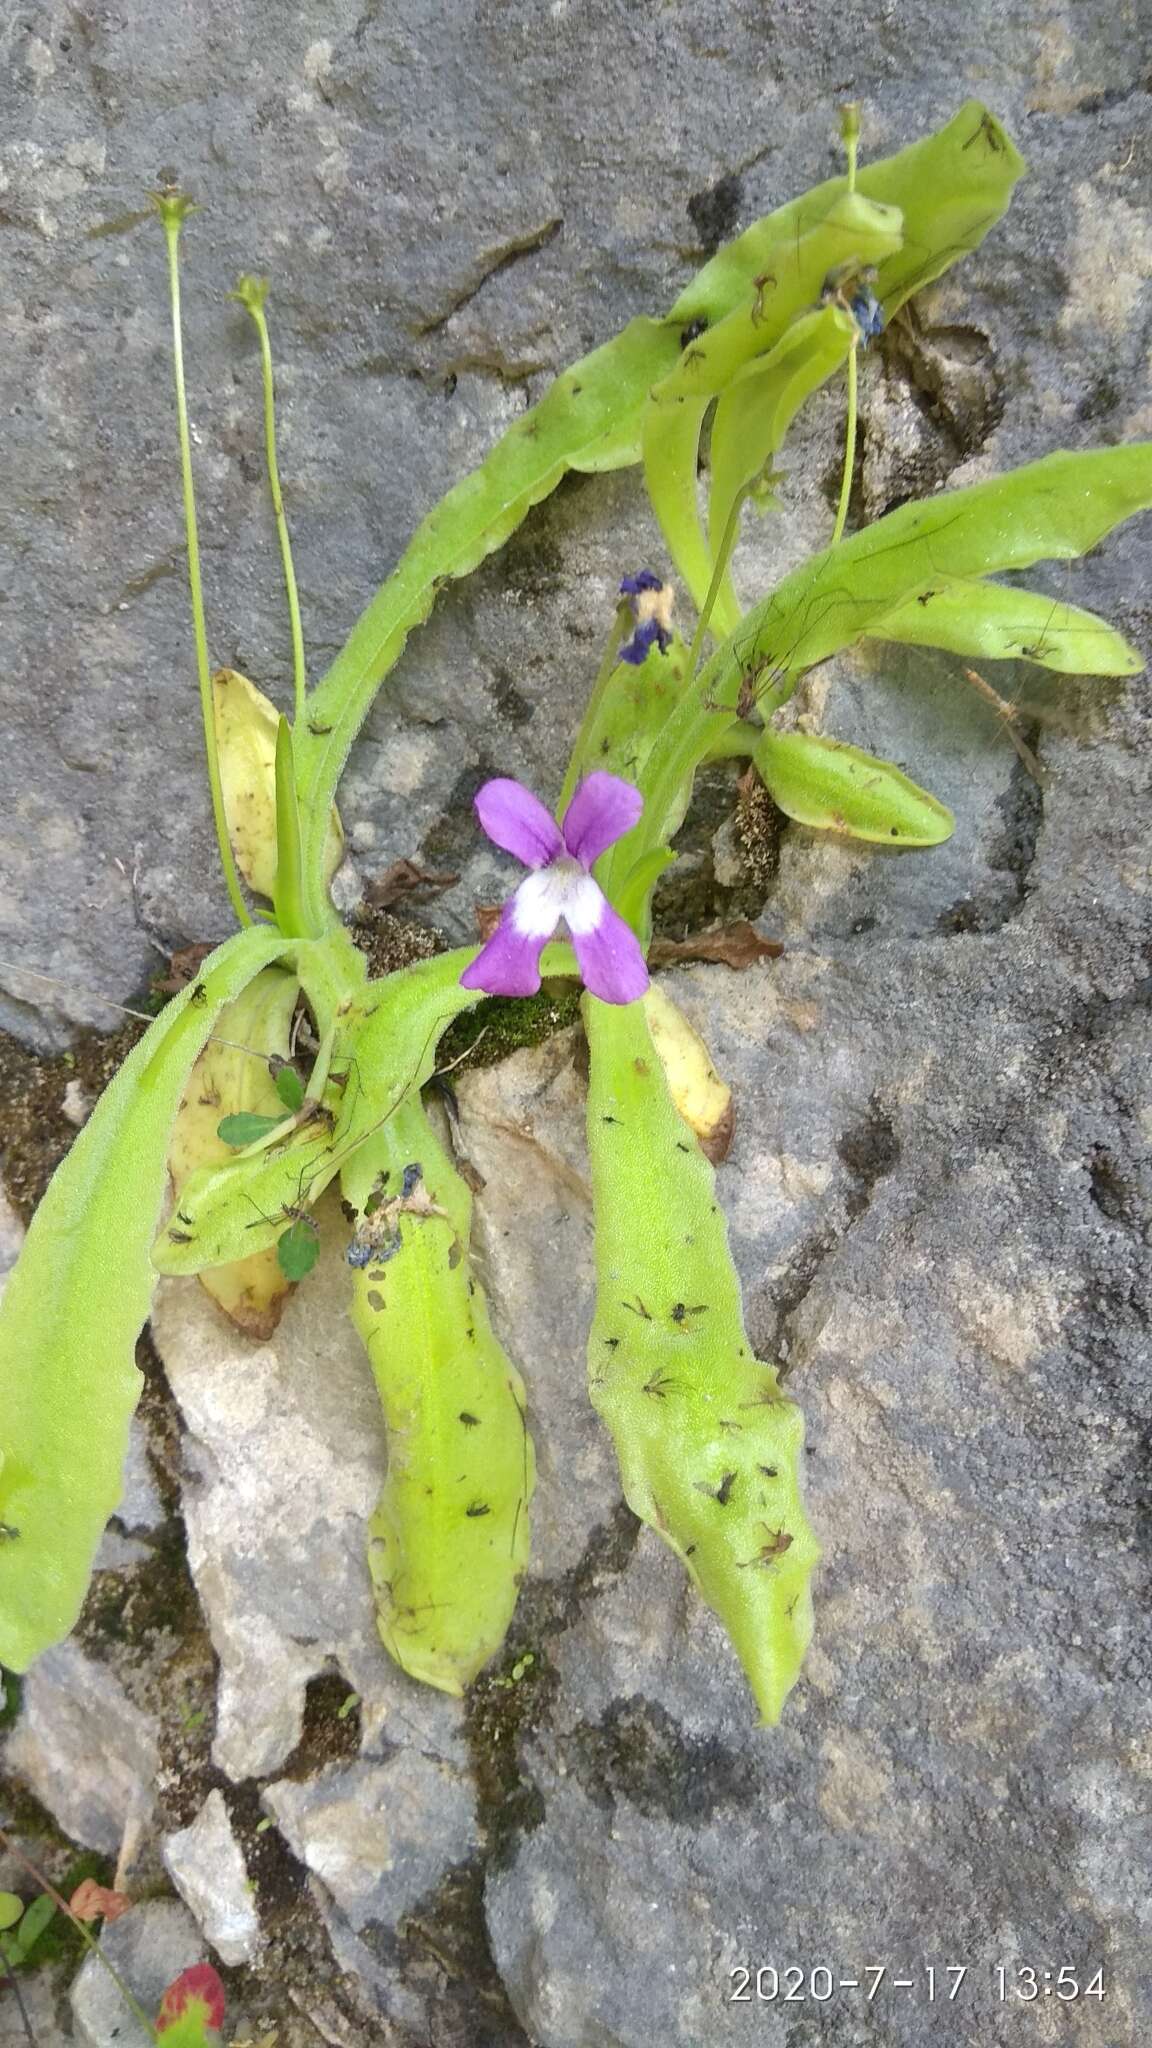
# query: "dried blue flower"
650 602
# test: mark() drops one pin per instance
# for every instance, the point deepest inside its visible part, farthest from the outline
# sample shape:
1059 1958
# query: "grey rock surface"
207 1867
87 1752
284 1460
149 1947
940 1192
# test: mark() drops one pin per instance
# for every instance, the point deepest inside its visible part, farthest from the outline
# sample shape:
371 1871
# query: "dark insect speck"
477 1508
469 1421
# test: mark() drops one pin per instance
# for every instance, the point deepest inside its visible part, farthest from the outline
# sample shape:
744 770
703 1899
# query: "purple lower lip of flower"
560 889
651 634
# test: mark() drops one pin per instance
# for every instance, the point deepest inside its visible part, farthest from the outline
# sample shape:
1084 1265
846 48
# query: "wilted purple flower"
867 312
602 809
651 606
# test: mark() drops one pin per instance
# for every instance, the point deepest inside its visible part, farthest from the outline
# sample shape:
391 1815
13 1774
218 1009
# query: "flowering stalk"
252 293
174 208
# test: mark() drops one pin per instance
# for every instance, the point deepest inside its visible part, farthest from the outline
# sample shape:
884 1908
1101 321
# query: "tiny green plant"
284 1068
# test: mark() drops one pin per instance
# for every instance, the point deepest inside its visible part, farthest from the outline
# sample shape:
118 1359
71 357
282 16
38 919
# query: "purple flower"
867 312
650 602
602 809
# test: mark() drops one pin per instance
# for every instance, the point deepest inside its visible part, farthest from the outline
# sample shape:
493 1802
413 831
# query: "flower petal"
509 965
516 820
602 809
610 960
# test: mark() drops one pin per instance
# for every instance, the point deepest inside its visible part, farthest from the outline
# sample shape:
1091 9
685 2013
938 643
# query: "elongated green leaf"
755 413
951 187
853 228
588 408
1053 509
72 1311
386 1049
990 622
710 1449
837 788
448 1542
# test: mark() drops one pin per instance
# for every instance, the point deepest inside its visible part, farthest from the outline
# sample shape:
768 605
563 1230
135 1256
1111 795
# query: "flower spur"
560 887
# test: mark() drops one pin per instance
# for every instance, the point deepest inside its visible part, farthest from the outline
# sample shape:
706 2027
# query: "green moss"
61 1940
502 1024
10 1698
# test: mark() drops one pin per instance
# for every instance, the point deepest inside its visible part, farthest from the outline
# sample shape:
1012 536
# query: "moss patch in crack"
637 1752
501 1025
501 1709
441 1945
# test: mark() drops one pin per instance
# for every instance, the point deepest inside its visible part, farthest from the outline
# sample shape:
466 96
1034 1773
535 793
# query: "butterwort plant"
284 1068
561 886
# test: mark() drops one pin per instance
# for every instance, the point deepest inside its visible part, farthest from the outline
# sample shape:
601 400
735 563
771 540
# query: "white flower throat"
564 889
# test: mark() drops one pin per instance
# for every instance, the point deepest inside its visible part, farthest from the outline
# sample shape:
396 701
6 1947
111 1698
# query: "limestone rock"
206 1865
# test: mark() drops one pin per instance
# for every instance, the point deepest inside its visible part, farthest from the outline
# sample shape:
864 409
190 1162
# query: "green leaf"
711 1451
246 1127
386 1043
1056 508
72 1311
36 1919
755 413
837 788
289 1087
448 1541
298 1249
10 1910
852 228
991 622
291 915
951 187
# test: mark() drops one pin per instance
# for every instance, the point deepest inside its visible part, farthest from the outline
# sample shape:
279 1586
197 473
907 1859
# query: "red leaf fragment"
199 1984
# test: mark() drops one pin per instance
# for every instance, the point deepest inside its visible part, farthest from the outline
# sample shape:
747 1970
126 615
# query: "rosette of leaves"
81 1290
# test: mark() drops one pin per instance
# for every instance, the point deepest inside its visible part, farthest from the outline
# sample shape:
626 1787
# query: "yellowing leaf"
231 1081
702 1098
246 726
